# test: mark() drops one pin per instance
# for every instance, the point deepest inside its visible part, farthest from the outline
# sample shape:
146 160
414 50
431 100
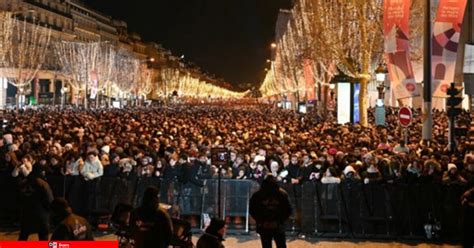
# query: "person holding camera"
270 208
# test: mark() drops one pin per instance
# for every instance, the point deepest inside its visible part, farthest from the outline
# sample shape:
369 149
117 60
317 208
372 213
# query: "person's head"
54 160
10 156
91 156
364 151
60 209
452 169
27 159
203 158
306 159
294 159
241 172
150 197
233 156
330 159
330 172
270 183
349 171
274 166
239 160
217 227
470 163
53 150
183 158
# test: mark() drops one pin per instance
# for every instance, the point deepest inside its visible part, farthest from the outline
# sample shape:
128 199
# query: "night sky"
228 38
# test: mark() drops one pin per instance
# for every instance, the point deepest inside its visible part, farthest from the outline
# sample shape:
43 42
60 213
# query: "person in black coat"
150 225
213 236
189 171
68 225
270 208
36 196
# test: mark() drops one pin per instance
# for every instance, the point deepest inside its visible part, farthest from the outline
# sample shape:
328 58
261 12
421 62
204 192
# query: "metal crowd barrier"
349 209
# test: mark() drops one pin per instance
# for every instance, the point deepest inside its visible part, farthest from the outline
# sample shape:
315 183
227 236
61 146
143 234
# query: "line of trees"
336 36
90 68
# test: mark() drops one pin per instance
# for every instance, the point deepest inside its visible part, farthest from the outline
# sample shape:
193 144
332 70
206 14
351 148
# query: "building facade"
70 20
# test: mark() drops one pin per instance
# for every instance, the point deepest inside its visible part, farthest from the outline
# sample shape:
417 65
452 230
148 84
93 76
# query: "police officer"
270 208
68 225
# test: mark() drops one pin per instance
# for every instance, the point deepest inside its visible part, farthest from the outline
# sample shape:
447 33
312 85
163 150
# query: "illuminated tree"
146 81
351 33
30 43
79 62
106 69
127 72
6 31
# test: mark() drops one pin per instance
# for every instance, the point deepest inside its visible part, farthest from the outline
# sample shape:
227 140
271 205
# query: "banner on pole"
397 48
446 33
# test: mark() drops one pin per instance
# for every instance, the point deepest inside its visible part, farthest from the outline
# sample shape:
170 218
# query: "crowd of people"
175 143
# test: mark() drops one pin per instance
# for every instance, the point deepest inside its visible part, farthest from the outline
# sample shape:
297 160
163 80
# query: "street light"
273 45
380 75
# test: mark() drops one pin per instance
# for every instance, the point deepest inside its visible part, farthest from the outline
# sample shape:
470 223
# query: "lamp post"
380 75
427 77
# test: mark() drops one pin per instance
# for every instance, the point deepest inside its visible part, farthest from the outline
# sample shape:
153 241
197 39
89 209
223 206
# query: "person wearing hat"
68 225
270 208
350 174
151 226
452 176
213 236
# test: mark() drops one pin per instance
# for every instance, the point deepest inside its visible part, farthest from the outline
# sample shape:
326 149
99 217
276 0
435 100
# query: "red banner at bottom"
58 244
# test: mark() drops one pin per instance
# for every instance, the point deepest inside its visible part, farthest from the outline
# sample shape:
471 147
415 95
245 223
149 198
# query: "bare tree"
127 72
79 62
106 69
146 81
6 31
27 54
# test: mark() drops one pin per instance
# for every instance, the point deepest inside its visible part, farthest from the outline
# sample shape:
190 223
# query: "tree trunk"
86 101
110 96
363 104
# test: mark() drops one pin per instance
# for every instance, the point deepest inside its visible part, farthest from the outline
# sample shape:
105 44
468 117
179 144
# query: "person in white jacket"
92 168
25 168
92 171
